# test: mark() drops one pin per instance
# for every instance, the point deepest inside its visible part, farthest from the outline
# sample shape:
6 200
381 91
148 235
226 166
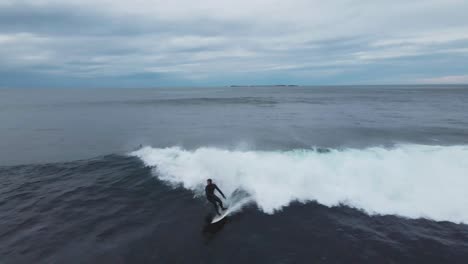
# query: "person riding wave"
212 198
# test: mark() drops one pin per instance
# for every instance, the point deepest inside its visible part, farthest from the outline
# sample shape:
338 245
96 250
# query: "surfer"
212 198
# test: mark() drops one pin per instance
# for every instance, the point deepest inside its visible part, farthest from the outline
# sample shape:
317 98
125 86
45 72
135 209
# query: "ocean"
333 174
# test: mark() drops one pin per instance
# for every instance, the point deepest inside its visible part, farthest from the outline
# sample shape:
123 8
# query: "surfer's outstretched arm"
220 191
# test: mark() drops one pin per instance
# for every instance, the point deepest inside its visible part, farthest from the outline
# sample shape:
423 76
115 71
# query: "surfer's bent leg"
213 201
220 202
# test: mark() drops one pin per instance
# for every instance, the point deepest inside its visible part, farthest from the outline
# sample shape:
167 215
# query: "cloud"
452 79
211 42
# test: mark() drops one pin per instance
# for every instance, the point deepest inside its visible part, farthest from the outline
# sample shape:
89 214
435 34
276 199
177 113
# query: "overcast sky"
143 43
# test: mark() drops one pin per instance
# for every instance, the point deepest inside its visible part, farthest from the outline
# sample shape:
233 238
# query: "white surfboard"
220 217
234 204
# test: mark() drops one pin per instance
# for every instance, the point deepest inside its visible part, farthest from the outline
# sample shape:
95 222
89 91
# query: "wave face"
412 181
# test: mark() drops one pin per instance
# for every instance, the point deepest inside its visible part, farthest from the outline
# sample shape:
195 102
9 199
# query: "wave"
413 181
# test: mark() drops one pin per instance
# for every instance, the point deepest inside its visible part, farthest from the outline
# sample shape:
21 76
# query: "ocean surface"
351 174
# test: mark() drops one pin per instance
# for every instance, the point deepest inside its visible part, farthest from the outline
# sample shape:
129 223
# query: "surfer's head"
209 181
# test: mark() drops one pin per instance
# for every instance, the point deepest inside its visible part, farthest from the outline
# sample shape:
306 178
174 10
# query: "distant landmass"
276 85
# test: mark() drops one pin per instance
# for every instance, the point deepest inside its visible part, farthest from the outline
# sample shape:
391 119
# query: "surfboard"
220 217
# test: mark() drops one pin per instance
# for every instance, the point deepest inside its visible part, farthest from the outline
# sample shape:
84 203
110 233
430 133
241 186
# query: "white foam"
408 180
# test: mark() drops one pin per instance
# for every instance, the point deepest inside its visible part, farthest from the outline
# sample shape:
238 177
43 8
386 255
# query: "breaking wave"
408 180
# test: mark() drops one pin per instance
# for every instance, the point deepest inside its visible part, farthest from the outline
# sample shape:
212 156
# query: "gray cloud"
200 42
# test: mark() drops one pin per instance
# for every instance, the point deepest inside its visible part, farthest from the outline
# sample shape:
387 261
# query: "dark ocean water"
374 174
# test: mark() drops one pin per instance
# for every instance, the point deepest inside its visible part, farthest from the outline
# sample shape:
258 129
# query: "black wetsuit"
209 191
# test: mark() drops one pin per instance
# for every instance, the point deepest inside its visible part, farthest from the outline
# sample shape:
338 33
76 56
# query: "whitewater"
413 181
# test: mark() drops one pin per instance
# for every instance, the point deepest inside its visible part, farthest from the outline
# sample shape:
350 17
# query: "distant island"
276 85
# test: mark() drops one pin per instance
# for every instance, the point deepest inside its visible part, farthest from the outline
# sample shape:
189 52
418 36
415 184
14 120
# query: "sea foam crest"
407 180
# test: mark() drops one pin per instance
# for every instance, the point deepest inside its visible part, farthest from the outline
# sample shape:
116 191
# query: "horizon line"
236 86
